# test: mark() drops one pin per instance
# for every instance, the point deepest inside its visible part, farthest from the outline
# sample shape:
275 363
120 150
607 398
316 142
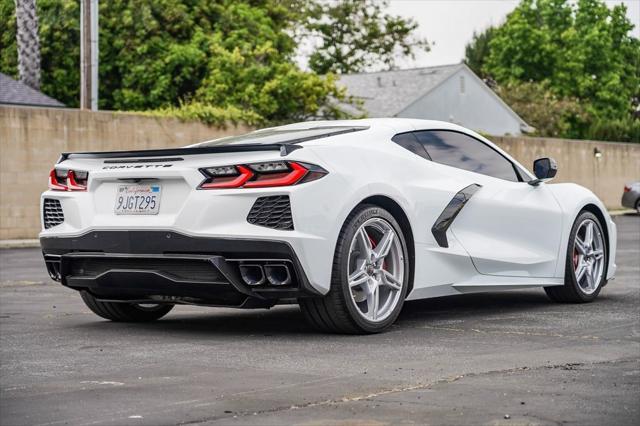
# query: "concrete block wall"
604 174
31 139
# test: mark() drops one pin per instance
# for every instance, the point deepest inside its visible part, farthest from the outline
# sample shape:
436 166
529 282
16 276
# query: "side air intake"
272 212
52 213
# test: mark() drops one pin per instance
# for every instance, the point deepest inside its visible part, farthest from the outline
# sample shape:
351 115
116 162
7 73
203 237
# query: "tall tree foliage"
355 35
477 50
232 58
583 51
28 43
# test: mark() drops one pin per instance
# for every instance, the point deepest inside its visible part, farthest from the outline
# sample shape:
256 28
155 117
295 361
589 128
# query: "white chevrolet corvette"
346 218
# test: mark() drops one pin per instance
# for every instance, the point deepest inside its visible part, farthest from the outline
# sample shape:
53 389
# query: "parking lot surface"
498 358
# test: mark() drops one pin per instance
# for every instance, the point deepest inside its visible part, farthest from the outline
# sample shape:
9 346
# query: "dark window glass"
409 142
464 152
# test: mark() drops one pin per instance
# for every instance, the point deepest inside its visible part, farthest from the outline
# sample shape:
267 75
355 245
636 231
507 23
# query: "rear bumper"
171 267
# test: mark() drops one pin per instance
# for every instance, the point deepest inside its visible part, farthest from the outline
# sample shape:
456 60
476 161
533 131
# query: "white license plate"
138 199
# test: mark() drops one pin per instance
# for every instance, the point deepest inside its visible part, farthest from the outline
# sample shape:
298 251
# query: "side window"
409 142
464 152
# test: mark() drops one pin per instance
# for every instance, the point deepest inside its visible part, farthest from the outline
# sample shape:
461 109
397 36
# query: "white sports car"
346 218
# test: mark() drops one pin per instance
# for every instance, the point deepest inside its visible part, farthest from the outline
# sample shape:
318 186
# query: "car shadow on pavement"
289 321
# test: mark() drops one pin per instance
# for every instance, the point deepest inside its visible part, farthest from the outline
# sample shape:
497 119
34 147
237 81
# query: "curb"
9 244
621 212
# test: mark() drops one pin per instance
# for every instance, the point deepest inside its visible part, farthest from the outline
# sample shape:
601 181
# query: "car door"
508 227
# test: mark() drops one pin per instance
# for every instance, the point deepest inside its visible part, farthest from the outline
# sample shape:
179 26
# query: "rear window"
276 136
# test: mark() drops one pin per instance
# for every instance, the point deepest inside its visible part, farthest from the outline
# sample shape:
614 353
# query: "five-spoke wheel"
588 255
586 264
376 269
370 276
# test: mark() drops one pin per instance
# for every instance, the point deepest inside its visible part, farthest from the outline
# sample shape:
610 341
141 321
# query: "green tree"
356 35
583 51
477 50
548 113
218 59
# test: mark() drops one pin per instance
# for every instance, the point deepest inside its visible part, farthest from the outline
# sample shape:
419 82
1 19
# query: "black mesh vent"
52 213
272 212
181 269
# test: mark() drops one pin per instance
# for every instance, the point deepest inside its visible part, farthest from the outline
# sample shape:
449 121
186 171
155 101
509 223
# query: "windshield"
277 136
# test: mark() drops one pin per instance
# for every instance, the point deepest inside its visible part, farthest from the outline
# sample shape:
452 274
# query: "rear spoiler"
284 148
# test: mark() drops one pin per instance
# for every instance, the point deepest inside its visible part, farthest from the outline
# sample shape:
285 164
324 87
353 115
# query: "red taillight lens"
627 188
260 175
68 180
54 183
77 181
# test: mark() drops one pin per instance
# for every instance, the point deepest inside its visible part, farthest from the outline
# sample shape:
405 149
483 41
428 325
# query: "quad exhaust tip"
252 274
278 274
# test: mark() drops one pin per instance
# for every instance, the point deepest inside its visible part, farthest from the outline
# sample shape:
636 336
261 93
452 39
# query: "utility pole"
89 54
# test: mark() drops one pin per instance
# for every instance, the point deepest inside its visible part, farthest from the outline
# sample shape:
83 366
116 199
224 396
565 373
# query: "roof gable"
13 92
387 93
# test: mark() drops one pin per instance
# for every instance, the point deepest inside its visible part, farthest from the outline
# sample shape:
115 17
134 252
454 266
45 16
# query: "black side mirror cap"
545 169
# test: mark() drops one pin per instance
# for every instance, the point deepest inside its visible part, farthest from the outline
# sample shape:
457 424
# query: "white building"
448 93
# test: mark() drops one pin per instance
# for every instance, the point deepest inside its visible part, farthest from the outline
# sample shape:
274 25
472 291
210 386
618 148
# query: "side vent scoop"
444 221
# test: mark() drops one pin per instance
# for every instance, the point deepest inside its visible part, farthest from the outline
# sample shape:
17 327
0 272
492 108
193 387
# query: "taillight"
627 188
260 175
68 180
54 181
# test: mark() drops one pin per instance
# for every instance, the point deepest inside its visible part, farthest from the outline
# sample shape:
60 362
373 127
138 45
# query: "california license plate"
138 199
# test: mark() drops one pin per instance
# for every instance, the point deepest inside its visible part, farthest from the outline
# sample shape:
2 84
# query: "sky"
450 24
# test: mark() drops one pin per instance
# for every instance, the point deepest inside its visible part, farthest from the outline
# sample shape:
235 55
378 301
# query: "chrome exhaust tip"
277 274
252 274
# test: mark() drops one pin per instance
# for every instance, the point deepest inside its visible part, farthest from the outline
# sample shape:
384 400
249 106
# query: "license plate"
138 199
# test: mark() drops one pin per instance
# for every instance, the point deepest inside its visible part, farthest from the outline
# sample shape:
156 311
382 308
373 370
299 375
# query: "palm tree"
28 43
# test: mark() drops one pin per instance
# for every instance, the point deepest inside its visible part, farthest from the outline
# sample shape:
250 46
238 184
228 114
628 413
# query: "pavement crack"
512 332
400 389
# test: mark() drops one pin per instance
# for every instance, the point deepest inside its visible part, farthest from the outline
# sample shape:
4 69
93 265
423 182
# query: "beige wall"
605 176
31 140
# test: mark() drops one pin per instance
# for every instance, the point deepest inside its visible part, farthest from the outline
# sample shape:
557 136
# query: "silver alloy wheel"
376 269
588 256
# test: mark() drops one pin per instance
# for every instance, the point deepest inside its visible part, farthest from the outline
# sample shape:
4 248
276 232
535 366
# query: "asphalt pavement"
497 358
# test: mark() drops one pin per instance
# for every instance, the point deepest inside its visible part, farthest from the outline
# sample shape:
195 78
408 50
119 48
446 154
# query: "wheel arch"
398 213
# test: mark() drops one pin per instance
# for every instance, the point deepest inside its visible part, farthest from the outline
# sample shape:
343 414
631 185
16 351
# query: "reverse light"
260 175
68 180
279 166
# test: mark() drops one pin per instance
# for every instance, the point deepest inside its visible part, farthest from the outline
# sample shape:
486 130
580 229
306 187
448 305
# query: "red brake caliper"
575 258
373 245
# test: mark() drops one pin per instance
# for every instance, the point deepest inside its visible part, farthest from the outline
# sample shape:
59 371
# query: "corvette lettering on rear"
137 166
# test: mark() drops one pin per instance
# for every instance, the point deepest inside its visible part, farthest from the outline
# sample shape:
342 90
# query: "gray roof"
13 92
387 93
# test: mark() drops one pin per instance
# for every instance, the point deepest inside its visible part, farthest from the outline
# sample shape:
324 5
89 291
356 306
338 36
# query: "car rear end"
227 225
631 196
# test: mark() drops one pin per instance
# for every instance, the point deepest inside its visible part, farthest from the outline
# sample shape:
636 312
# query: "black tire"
124 312
571 292
336 312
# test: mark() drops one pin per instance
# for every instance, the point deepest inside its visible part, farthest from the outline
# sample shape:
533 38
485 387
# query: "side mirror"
545 169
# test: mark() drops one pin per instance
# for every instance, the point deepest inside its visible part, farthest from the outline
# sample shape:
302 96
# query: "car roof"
399 125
